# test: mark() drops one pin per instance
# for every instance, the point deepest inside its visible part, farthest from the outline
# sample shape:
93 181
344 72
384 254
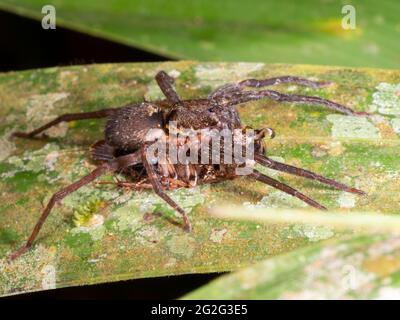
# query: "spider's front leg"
234 94
246 96
256 83
117 164
154 180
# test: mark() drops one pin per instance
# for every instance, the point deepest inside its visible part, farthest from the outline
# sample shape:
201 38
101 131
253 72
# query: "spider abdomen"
127 127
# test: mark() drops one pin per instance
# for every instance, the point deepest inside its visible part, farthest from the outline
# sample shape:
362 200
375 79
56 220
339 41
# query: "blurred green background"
292 31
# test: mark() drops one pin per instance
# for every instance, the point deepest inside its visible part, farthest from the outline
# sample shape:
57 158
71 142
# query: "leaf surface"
132 234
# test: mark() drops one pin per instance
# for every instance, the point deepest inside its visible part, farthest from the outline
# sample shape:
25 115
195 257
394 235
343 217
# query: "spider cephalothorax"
133 135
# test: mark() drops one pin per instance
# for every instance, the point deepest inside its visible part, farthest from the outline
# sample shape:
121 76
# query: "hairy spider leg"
285 188
66 118
153 177
246 96
129 185
165 83
256 83
272 164
123 161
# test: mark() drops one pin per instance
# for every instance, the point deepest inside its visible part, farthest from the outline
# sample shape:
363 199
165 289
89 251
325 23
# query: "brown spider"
126 145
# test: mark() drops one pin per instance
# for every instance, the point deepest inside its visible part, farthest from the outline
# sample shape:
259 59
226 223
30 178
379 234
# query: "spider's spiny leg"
246 96
130 159
57 197
283 79
165 83
269 163
285 188
229 89
159 190
66 118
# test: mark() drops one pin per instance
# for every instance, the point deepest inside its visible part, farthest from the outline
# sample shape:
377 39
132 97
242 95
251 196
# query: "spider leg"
128 185
66 118
165 83
269 163
246 96
126 160
283 79
255 83
152 175
285 188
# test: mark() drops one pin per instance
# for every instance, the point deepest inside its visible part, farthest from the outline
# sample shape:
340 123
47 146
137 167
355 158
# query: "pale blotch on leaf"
68 77
225 73
128 217
6 147
378 249
352 127
387 99
148 236
309 232
182 245
340 275
25 273
395 125
153 92
41 109
278 199
170 263
388 293
346 200
49 277
217 235
43 159
332 148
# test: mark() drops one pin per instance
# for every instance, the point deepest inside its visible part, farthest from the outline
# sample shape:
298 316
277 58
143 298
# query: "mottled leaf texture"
103 233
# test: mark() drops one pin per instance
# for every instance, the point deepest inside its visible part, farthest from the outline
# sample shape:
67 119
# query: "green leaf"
131 235
363 267
307 31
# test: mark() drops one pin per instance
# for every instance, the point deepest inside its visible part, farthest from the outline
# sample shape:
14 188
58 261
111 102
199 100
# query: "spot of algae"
347 200
352 127
219 75
395 122
387 98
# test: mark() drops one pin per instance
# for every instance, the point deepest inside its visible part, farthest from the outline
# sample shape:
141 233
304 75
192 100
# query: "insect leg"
160 192
165 83
267 162
66 118
285 188
117 164
246 96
